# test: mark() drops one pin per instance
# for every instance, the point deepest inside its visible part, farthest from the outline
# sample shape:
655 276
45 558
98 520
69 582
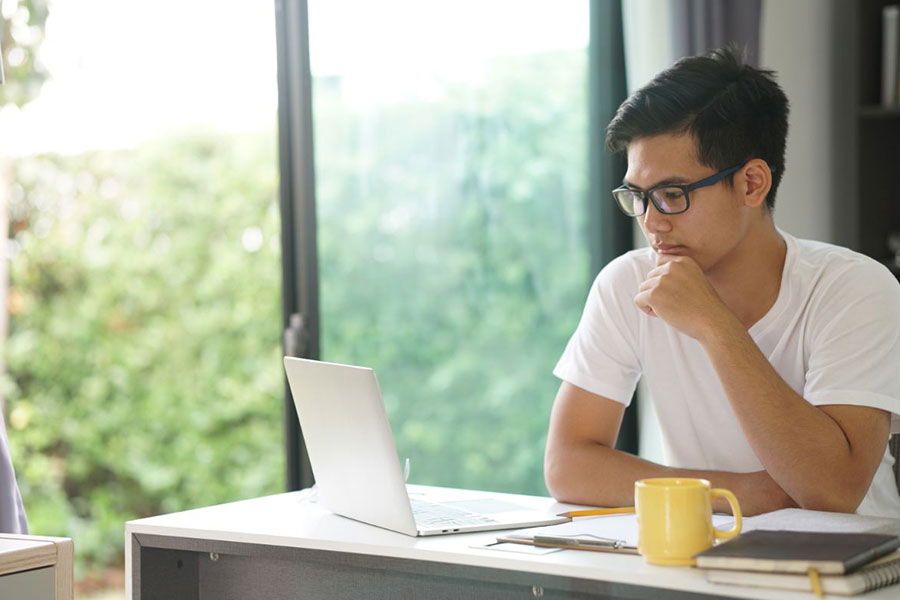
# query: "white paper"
796 519
617 527
517 548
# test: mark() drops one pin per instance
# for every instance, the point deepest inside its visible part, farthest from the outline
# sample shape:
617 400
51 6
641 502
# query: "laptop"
357 469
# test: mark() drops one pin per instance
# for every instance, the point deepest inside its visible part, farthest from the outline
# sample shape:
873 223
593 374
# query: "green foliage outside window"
453 260
21 37
144 354
144 345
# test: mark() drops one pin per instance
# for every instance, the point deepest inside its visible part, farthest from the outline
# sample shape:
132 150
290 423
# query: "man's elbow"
561 479
556 479
838 498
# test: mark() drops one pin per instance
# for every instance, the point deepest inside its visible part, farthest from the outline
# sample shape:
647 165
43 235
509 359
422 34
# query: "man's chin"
667 257
664 256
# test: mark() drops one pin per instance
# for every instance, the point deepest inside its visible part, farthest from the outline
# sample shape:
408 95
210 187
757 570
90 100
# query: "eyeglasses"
668 199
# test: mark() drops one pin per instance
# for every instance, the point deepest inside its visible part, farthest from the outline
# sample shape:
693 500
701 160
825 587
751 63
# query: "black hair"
736 112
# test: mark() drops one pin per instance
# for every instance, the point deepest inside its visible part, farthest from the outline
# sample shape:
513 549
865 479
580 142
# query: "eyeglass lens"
666 200
669 200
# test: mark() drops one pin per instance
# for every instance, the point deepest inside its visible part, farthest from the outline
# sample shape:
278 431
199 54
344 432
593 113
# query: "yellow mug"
674 518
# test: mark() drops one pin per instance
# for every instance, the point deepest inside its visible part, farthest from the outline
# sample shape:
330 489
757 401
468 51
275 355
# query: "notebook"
354 460
798 551
878 574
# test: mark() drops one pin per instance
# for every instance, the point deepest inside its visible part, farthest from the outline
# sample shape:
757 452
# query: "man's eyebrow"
666 181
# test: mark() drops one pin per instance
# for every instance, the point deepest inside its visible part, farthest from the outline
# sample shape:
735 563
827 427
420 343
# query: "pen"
567 541
624 510
576 541
596 544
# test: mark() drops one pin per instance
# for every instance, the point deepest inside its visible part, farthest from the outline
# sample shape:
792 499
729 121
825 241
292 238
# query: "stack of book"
845 564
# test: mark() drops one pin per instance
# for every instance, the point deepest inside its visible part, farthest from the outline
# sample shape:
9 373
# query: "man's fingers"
658 270
648 284
641 301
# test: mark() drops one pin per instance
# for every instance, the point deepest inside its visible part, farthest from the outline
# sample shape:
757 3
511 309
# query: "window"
450 154
143 353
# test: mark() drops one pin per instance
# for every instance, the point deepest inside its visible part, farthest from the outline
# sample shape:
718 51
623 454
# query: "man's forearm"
802 447
596 475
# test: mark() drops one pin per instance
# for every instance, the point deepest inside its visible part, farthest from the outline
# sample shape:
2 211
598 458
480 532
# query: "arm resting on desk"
823 456
582 466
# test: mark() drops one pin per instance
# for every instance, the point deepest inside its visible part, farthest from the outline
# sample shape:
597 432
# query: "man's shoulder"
816 251
833 259
833 269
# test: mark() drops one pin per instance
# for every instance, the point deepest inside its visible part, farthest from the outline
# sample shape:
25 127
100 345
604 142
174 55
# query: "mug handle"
735 509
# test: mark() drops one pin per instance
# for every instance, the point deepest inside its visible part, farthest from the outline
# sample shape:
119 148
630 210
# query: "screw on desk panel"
214 556
537 591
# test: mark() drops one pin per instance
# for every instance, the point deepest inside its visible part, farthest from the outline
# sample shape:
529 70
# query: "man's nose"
655 220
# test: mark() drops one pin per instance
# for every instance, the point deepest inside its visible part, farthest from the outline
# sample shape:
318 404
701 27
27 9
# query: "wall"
798 41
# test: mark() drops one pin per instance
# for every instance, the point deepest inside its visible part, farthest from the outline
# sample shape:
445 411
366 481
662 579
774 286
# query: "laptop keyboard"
432 515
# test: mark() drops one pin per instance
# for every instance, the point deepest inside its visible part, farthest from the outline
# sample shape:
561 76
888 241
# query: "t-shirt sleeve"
855 353
601 356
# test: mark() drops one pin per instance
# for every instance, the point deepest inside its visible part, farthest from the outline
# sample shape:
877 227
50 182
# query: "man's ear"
755 181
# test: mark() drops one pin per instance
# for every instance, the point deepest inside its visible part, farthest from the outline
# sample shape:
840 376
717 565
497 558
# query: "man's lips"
668 248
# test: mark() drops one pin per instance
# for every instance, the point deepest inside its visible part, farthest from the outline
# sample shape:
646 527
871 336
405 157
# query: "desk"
283 546
35 567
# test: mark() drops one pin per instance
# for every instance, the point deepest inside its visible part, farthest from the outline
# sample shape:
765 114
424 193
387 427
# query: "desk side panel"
37 584
232 571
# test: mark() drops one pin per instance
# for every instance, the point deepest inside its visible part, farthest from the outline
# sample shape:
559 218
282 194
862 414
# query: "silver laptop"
357 468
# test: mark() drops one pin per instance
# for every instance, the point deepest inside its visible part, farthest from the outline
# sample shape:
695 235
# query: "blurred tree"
451 240
144 342
21 36
144 345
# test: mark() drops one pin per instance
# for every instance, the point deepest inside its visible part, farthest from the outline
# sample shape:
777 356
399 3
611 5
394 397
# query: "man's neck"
749 279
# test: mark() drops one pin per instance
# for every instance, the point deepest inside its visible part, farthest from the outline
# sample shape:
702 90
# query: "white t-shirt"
833 335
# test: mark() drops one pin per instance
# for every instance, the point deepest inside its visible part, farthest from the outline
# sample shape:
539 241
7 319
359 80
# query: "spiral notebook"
878 574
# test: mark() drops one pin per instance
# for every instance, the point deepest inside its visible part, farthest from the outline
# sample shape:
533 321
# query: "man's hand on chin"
677 291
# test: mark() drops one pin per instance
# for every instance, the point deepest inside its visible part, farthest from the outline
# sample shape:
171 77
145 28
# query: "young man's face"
717 219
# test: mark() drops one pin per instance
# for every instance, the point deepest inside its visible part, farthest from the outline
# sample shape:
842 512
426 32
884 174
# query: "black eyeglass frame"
648 194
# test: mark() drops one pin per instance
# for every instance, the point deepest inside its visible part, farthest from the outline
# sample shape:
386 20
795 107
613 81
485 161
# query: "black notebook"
798 551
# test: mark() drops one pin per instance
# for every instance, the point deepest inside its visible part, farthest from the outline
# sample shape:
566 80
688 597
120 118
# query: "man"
12 513
772 361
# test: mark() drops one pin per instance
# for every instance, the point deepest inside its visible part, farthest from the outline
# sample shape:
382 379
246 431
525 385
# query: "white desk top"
19 553
291 520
